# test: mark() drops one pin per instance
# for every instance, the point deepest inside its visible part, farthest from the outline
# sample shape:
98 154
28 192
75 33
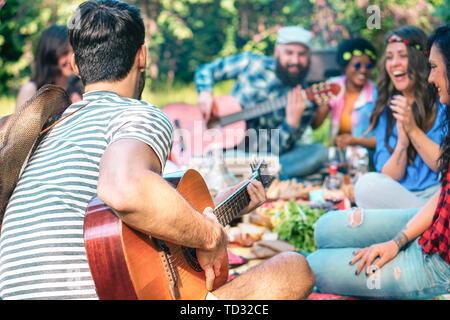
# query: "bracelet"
401 239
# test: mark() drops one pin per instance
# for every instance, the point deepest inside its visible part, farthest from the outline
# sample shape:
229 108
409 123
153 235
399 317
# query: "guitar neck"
319 93
231 207
255 111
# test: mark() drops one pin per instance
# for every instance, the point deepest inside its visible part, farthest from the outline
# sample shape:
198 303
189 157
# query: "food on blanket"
289 190
267 248
295 224
260 219
245 234
262 252
255 232
236 236
277 245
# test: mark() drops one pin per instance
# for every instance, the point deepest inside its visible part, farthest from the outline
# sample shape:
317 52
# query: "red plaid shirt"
437 236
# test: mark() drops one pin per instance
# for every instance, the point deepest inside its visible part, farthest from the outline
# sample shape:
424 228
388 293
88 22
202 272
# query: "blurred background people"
51 63
263 79
408 258
351 109
407 122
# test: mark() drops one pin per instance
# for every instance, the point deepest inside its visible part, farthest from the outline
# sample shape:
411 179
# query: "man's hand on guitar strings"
212 260
295 106
205 102
257 195
255 190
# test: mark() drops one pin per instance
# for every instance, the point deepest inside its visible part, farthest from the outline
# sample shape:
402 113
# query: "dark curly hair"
440 39
425 95
346 48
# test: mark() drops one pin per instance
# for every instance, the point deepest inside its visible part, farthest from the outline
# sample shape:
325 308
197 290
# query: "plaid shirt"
256 82
436 238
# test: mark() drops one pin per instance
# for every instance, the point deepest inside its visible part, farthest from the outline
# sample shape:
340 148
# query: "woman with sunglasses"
407 122
351 108
408 257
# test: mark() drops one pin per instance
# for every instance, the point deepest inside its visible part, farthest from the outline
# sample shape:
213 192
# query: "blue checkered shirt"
256 82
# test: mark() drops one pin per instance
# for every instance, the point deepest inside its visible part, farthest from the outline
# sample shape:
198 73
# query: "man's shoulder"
253 56
117 101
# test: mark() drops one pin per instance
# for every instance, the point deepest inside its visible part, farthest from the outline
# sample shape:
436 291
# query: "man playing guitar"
115 146
259 79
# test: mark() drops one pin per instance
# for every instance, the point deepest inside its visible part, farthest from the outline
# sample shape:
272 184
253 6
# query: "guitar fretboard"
254 111
232 206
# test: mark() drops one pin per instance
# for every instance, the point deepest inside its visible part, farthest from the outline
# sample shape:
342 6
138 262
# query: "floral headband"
396 38
347 55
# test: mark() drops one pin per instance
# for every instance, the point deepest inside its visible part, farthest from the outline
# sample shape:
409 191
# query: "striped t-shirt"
42 253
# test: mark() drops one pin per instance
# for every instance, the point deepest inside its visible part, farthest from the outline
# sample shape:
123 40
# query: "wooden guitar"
128 265
227 126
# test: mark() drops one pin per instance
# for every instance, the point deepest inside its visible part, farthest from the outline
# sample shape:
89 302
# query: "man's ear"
74 65
142 58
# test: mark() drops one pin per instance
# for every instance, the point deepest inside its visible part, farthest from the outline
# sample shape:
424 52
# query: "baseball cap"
294 34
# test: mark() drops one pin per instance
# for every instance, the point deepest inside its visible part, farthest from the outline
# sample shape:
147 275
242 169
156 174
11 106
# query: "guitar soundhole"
191 257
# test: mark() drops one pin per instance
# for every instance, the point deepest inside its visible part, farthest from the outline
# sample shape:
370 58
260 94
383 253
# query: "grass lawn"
177 93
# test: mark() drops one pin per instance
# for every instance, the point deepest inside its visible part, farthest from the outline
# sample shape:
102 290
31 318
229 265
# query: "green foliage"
21 23
188 33
295 224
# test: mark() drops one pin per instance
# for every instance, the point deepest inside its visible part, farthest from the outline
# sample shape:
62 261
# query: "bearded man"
262 79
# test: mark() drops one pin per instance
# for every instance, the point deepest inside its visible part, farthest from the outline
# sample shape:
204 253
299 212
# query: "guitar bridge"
169 268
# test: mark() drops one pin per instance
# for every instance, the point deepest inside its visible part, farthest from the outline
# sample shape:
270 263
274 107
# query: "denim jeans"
375 191
302 160
410 275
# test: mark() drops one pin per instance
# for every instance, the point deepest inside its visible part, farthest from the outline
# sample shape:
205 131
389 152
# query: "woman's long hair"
440 39
53 44
424 107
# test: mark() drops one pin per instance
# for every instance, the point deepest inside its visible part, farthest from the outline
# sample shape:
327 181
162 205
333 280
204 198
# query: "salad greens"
295 224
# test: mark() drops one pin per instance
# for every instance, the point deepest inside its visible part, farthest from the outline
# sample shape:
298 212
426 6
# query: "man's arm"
130 183
220 69
321 115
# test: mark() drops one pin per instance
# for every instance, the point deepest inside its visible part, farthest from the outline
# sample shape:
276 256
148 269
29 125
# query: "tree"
183 34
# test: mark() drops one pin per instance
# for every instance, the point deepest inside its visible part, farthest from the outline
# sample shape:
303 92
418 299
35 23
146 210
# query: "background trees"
182 34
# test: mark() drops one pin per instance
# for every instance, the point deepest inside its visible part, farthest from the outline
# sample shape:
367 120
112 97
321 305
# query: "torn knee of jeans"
397 273
355 217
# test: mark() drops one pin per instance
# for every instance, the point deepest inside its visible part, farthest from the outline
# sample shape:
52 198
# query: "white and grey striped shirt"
42 253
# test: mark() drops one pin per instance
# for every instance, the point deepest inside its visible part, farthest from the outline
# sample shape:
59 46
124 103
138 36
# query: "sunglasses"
357 66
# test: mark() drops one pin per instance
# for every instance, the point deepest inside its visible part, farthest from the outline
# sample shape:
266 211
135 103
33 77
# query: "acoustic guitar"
128 265
226 128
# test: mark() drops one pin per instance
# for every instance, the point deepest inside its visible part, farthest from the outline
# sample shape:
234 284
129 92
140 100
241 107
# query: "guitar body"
197 136
127 264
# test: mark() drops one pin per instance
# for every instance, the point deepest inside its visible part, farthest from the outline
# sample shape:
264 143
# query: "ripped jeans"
410 275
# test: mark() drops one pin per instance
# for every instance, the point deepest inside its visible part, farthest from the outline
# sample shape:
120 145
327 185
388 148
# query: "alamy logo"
374 20
373 280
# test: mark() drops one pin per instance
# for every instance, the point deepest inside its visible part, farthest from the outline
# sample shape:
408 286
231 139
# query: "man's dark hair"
105 36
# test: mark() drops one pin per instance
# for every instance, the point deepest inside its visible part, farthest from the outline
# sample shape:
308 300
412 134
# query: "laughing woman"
408 258
407 122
